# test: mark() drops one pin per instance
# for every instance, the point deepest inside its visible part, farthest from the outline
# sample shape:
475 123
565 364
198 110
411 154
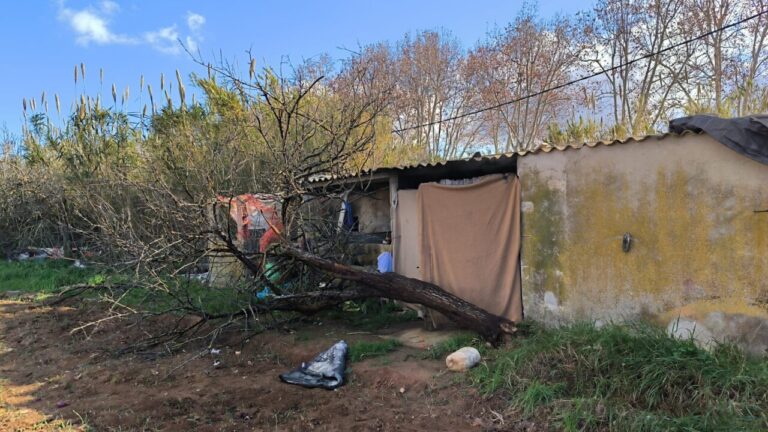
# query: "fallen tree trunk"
398 287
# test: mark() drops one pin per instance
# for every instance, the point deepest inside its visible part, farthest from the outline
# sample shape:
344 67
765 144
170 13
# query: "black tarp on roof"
746 135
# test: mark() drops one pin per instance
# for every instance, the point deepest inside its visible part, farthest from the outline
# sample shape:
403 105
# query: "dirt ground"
54 380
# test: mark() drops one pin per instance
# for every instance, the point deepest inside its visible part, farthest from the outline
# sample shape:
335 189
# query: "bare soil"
53 379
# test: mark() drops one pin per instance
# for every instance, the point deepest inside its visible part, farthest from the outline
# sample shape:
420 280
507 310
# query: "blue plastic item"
385 262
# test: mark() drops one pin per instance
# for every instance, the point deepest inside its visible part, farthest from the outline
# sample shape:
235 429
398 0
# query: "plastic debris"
215 351
39 254
384 262
263 294
325 371
202 277
463 359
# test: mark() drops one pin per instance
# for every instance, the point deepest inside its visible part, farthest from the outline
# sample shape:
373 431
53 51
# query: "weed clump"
628 378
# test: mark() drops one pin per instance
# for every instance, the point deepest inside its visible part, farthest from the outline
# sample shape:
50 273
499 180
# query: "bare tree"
430 87
751 80
525 58
639 93
713 65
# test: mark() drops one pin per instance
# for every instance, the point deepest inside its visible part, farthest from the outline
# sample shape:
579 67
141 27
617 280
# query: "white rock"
687 328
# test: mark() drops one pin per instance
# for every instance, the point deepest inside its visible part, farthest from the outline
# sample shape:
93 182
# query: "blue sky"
43 40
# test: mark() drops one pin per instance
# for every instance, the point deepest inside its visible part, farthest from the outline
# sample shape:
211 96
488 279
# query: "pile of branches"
145 199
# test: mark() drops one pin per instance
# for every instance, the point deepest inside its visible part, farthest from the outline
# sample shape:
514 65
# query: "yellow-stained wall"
699 256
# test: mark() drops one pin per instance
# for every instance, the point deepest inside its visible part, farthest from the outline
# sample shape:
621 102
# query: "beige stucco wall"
699 257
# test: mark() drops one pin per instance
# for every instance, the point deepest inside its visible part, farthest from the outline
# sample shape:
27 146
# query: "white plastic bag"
463 359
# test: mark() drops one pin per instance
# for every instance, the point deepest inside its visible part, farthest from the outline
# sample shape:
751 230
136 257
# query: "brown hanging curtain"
470 242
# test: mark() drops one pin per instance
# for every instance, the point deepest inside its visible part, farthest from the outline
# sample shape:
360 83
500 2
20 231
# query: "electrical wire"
584 78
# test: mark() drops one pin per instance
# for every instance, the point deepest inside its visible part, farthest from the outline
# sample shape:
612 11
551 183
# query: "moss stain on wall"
543 232
692 241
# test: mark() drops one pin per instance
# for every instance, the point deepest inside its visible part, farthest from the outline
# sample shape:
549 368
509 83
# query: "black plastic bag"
745 135
326 370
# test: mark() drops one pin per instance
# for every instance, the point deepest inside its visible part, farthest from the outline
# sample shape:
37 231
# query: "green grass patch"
371 315
45 277
536 394
192 294
627 378
359 351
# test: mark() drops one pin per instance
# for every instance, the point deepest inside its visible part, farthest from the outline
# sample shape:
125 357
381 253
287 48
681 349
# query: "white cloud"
93 25
191 44
89 27
109 7
164 40
195 21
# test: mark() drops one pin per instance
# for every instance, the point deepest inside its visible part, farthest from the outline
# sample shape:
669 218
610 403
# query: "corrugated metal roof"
422 165
481 158
544 148
547 148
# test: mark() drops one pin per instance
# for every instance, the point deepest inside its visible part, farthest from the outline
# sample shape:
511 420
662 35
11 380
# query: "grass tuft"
537 394
359 351
442 349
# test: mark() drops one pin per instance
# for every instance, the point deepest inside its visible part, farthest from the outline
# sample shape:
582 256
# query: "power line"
584 78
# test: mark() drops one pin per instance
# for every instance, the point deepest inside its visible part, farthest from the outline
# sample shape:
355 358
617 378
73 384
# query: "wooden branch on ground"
72 291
